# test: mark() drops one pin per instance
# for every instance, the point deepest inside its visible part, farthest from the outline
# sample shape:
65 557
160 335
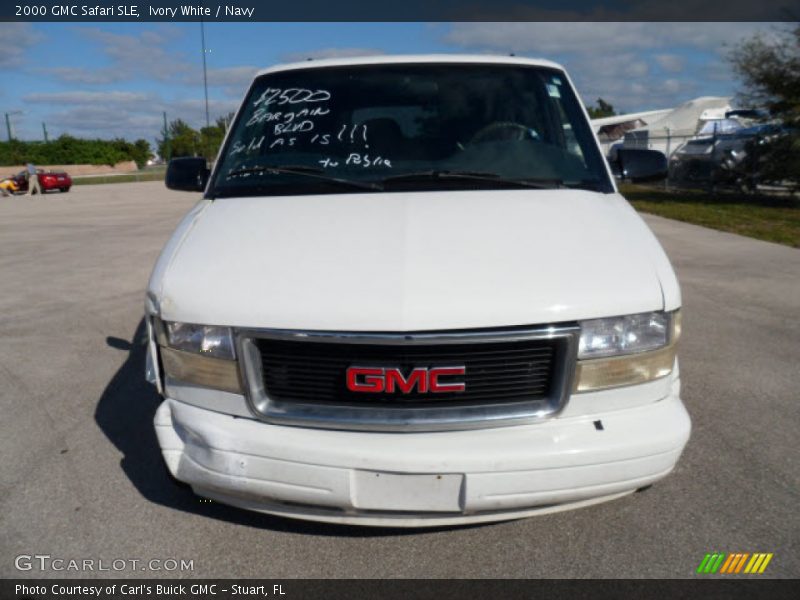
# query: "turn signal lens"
604 373
203 371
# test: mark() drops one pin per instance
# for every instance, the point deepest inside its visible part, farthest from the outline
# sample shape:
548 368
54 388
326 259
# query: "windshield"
406 127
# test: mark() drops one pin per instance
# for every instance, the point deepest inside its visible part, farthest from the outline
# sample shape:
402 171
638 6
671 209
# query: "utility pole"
44 131
205 88
167 150
205 70
8 122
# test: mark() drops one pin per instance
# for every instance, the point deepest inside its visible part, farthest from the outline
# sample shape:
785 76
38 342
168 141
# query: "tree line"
68 150
180 140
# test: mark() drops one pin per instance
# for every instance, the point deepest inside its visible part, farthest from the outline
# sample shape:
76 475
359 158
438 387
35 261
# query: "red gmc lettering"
372 380
417 378
376 380
435 386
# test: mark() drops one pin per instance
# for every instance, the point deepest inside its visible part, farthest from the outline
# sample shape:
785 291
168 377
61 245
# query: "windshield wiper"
585 184
539 184
305 171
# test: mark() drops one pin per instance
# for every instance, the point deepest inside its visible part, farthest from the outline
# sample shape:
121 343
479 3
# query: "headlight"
200 355
208 340
626 350
624 335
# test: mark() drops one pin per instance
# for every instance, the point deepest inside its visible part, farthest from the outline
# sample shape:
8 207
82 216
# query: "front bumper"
422 478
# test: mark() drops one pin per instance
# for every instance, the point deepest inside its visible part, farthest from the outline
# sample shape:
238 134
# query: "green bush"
67 150
183 140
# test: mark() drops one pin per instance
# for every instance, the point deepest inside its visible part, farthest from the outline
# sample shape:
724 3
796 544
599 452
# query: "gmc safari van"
411 295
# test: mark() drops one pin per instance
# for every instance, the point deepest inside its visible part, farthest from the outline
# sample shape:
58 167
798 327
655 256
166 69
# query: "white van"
411 295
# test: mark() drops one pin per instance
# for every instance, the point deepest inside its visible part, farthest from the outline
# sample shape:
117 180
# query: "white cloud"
83 76
146 55
102 114
114 99
622 62
599 38
670 62
193 111
137 55
637 68
16 38
329 53
97 121
233 80
672 86
232 76
718 70
112 114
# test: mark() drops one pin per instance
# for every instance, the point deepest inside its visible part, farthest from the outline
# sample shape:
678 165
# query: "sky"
112 80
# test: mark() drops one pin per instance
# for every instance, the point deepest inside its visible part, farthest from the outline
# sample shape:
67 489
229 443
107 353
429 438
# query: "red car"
48 180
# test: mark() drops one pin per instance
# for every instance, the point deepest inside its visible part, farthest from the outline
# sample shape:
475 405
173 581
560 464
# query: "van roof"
411 59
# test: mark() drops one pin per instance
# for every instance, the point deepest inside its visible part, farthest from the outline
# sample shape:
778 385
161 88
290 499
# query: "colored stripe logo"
734 563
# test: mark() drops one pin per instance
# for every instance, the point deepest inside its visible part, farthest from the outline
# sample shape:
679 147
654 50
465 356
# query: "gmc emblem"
376 380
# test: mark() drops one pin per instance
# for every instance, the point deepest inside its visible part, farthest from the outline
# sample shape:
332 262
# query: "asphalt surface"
81 475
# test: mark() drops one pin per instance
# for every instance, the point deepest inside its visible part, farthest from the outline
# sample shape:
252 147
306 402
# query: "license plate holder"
375 490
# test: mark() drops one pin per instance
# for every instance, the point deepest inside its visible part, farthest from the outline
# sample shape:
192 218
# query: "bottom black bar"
433 589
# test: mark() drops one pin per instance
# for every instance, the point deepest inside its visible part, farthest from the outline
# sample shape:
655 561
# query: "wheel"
64 190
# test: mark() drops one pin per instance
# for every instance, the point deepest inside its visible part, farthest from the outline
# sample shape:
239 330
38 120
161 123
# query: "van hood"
411 261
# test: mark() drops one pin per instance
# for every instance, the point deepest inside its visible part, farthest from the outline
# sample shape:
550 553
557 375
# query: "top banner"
406 10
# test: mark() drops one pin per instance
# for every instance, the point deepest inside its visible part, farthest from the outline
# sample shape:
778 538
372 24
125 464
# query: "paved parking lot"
81 476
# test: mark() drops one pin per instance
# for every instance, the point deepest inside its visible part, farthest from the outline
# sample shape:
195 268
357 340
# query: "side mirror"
635 164
188 174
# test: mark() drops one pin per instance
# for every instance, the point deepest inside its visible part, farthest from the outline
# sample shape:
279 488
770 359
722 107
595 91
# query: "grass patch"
770 218
139 176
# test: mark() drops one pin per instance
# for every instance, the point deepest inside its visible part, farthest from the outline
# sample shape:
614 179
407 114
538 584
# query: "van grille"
496 372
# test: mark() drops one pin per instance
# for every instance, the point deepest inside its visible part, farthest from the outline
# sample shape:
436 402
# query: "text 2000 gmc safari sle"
412 295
